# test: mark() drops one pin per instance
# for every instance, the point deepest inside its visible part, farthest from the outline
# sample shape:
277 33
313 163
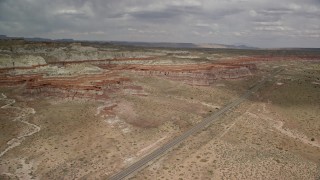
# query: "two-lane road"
138 165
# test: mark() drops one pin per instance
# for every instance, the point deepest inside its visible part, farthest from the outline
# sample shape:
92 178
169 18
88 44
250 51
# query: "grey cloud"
276 11
231 21
154 15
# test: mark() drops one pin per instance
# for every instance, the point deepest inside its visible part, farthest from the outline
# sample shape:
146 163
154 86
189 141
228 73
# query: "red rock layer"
93 61
93 86
12 80
194 74
100 86
276 58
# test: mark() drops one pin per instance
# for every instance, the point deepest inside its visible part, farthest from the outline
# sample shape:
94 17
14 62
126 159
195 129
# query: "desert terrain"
88 110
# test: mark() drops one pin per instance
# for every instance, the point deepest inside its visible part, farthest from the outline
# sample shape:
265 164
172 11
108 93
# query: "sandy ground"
23 114
63 138
274 135
249 147
259 140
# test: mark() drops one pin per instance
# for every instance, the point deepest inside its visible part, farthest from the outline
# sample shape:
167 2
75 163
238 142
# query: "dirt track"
129 171
23 114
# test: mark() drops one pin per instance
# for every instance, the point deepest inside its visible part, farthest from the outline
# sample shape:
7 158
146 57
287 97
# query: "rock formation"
193 74
74 70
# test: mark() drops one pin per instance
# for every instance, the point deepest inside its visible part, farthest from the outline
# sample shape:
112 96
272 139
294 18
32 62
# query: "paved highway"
135 167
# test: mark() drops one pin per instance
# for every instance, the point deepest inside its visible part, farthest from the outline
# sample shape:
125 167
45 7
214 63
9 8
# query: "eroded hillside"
87 110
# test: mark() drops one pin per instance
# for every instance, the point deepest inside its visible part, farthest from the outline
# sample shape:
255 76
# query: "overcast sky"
261 23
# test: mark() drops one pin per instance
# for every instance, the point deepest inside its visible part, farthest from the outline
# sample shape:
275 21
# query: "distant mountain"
242 47
155 44
3 37
141 44
36 39
65 40
181 45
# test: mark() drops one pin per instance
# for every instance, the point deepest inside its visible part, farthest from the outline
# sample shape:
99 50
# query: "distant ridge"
36 39
155 44
182 45
139 44
223 46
